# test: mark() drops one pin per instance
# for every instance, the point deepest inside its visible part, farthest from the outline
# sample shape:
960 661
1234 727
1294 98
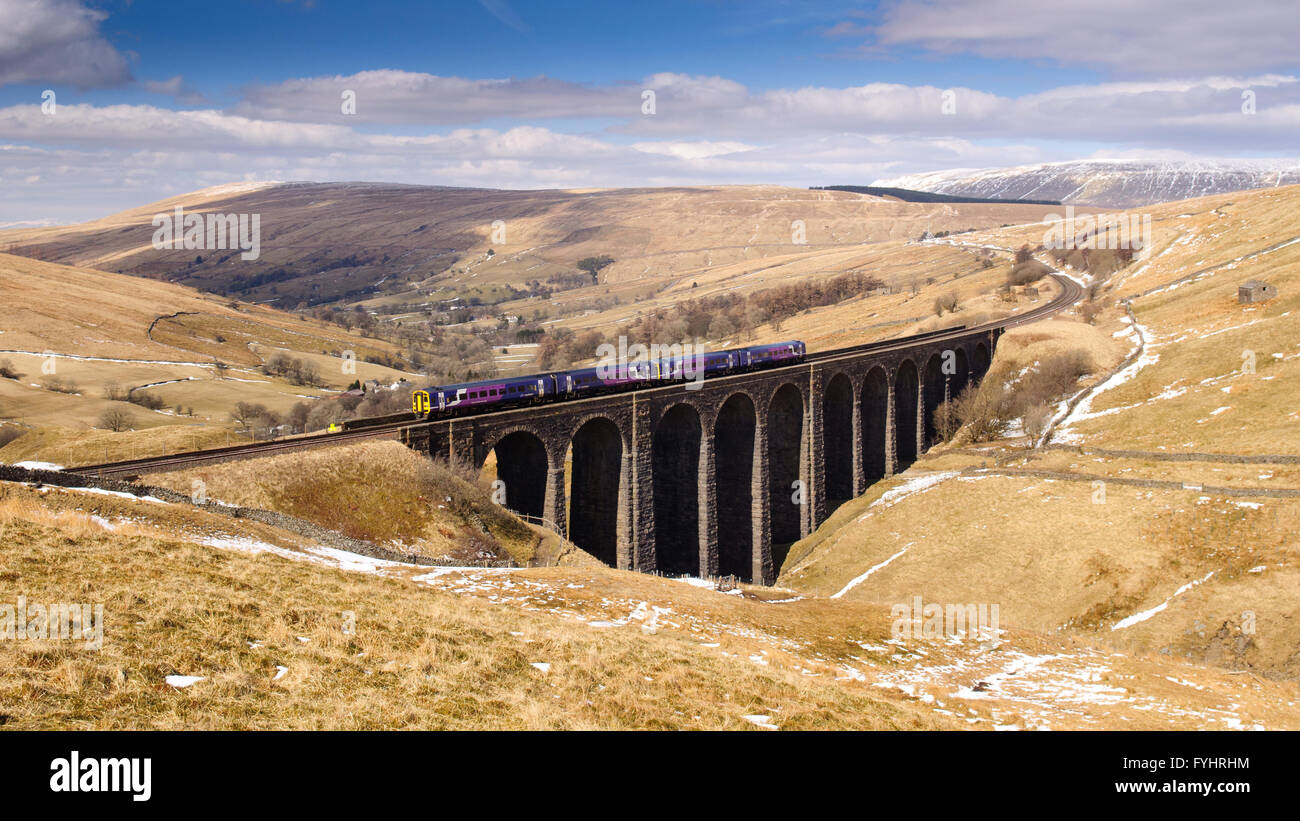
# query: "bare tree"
116 420
247 412
1035 422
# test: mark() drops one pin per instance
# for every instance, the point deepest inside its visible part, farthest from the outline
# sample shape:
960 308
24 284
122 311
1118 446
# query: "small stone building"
1030 291
1255 291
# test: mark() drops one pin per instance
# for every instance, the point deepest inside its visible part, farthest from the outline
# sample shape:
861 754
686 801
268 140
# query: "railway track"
386 426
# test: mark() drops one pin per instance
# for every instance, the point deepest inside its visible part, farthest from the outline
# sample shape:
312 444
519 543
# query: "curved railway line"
391 426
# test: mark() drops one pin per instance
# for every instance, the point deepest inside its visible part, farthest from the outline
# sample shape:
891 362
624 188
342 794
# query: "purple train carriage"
492 394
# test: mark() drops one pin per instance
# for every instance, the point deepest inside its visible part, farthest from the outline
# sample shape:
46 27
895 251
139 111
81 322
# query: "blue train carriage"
466 397
587 381
719 363
777 353
713 363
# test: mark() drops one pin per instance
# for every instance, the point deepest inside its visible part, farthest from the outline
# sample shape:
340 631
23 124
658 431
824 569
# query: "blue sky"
765 45
154 99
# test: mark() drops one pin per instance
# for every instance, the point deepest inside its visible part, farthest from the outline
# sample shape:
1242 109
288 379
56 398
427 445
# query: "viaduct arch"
719 477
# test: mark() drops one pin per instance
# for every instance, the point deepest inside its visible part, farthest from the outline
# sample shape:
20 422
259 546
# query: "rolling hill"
71 337
349 242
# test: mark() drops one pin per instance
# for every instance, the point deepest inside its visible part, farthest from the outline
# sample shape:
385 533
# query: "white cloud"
57 41
1150 37
1188 113
397 97
691 150
91 160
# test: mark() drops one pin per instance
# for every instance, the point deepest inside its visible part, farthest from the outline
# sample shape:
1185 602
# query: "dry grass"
76 447
419 658
456 649
95 313
1057 560
1053 558
107 317
378 491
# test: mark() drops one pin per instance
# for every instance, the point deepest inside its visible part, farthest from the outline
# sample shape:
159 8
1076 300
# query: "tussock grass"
378 491
419 658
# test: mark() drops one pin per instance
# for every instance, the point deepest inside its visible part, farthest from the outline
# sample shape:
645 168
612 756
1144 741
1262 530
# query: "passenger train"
442 401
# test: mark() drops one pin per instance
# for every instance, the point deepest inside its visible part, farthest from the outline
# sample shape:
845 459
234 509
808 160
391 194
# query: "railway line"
391 426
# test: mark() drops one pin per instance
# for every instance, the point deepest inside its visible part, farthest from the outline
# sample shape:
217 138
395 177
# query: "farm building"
1255 291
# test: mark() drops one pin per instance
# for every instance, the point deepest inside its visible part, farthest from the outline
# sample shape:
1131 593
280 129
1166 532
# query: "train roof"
510 380
488 383
787 343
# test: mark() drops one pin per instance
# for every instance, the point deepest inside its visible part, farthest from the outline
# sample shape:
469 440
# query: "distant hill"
1110 183
909 195
347 243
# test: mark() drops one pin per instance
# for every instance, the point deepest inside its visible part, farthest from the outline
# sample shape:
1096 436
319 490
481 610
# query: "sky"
110 105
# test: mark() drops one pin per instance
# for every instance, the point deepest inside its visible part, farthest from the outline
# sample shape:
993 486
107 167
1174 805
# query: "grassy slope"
106 317
457 649
420 658
378 491
1053 557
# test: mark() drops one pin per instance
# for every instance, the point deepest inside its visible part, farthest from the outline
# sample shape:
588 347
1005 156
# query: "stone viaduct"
721 479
